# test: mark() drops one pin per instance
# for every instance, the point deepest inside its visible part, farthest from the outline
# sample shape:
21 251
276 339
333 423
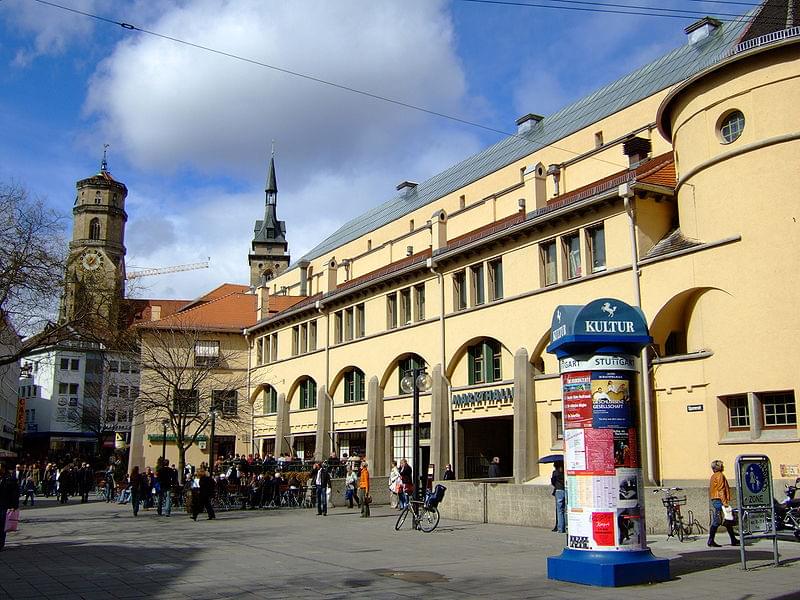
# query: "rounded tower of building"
95 276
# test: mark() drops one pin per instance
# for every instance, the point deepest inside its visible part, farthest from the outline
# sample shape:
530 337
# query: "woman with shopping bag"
9 504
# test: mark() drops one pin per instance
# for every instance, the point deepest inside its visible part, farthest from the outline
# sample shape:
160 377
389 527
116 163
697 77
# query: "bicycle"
676 526
424 518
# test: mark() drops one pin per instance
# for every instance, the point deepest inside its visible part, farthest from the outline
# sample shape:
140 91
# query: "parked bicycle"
677 526
424 513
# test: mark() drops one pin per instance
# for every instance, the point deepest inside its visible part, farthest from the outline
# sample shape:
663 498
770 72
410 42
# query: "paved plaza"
100 551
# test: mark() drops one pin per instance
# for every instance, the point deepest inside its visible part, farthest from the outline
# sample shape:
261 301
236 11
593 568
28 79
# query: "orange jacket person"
363 489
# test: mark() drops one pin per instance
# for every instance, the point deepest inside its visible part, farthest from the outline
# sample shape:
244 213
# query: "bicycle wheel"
428 519
401 519
680 528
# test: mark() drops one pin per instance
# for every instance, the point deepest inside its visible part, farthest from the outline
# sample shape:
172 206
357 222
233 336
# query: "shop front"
484 430
304 446
351 443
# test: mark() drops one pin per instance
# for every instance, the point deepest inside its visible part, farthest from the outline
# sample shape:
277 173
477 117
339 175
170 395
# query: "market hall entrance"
478 441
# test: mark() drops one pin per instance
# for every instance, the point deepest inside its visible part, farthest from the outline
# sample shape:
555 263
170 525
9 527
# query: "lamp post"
417 380
213 413
164 423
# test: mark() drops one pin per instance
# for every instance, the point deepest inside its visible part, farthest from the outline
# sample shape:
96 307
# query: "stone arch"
339 377
262 388
293 389
393 365
539 357
669 327
458 355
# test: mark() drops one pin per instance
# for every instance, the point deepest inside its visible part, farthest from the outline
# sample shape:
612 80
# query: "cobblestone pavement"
100 551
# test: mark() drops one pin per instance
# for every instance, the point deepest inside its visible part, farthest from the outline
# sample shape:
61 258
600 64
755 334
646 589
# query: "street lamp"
164 423
213 413
416 381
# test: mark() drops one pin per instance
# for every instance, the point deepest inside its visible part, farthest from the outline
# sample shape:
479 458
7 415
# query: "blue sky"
190 132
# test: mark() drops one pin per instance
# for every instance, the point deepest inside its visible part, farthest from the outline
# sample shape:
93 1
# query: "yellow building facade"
672 189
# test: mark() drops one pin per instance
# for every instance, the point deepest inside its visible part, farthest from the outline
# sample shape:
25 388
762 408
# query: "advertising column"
597 346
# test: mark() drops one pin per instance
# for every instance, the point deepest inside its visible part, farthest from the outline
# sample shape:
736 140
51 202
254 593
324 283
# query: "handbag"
12 520
727 513
367 499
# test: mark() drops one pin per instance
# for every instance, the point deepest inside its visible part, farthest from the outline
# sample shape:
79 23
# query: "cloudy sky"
190 130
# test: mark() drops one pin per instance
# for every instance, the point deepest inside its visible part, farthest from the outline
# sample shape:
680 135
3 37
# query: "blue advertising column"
597 345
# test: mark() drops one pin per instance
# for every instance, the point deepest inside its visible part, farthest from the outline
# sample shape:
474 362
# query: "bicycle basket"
674 501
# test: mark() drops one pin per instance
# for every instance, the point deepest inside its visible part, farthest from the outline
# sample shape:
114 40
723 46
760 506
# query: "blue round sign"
754 478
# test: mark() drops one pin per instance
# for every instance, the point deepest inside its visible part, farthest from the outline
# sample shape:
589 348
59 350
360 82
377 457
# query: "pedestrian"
448 474
85 482
136 486
322 480
205 492
394 485
719 494
407 483
351 487
9 499
64 485
560 495
167 477
28 489
109 486
494 468
363 489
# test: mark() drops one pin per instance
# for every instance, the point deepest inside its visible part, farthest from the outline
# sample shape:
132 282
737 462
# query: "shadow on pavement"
705 560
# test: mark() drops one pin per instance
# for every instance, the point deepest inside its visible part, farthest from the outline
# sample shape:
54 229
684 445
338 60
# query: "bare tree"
184 377
33 254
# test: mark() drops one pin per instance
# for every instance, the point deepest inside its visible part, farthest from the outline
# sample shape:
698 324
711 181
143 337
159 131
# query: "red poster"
577 393
603 528
599 451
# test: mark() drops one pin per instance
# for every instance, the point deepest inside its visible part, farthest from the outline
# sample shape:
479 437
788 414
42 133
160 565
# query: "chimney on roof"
527 122
555 171
406 187
637 149
438 225
262 297
537 176
303 265
701 30
155 312
332 274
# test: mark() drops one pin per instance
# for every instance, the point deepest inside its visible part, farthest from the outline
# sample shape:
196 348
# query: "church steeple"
269 255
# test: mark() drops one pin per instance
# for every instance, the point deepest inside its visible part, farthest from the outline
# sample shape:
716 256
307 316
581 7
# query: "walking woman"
719 493
205 494
363 489
135 484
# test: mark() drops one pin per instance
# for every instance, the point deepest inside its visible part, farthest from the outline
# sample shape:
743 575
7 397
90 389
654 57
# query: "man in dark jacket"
204 496
167 477
85 481
9 498
322 481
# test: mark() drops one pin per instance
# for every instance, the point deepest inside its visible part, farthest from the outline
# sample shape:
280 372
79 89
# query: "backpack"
433 499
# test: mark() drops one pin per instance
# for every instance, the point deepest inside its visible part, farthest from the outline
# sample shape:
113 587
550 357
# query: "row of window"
475 292
348 324
773 410
124 366
206 353
571 261
123 391
405 306
29 391
70 364
187 402
304 338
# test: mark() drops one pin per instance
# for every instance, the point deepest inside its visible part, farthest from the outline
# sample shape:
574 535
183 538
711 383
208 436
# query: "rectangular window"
206 354
349 323
338 327
227 401
260 351
270 400
64 364
312 335
476 281
401 442
485 363
549 270
295 339
419 302
738 411
779 409
353 386
361 325
476 363
134 367
273 353
405 367
113 366
308 394
187 402
597 248
123 391
459 290
391 311
572 255
405 306
557 422
124 367
496 279
303 338
74 364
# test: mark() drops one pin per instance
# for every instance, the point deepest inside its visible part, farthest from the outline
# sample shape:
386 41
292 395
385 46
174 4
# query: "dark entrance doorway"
224 446
484 439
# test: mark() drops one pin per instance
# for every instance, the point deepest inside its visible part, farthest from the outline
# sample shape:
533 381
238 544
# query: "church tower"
95 276
270 250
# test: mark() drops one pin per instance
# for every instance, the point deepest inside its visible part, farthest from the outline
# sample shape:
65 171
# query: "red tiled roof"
141 309
280 303
390 268
231 312
224 290
663 174
485 230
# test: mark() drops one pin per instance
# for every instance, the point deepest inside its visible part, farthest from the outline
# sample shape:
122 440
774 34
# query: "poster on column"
577 395
629 529
611 402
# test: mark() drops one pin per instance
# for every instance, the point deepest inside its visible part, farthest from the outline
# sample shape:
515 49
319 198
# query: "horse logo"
608 309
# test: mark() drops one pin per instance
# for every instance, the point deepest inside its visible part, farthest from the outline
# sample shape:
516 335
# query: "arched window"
485 362
308 393
405 366
270 400
94 229
354 386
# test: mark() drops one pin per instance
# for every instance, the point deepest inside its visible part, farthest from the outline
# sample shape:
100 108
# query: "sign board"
694 408
756 506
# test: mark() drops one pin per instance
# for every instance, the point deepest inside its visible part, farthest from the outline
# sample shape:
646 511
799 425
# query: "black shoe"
713 544
194 517
734 542
554 529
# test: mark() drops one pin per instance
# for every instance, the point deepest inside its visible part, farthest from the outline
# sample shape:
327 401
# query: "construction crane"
163 270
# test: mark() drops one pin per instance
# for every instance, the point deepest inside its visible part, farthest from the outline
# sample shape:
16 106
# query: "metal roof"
660 74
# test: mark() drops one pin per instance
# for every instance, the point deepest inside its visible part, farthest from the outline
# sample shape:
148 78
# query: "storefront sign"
601 361
484 397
